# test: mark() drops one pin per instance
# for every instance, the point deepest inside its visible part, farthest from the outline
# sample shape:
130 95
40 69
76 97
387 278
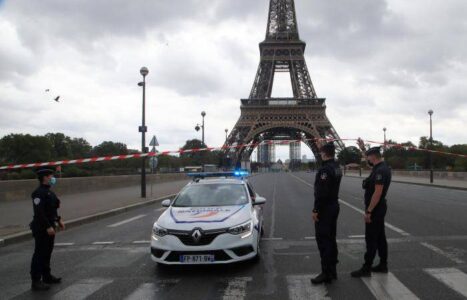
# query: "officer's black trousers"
375 236
40 264
325 231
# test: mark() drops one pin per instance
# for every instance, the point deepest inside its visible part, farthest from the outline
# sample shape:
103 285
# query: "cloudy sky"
379 63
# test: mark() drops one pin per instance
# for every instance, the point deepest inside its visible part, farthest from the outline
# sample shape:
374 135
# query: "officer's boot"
364 271
50 279
333 272
38 285
381 268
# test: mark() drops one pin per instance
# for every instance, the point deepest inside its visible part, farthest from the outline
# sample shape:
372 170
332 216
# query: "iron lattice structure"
302 116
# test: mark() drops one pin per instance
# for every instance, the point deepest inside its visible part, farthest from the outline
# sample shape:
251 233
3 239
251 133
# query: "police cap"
328 148
373 150
44 171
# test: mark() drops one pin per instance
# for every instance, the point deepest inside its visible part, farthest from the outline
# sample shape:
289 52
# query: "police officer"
325 213
376 187
44 225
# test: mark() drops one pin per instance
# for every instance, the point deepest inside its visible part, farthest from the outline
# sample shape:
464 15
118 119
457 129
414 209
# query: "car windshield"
211 195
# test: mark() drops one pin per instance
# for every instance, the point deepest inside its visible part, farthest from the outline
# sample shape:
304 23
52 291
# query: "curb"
422 184
26 235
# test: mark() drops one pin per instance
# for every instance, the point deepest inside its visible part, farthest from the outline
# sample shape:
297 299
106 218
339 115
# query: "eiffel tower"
263 118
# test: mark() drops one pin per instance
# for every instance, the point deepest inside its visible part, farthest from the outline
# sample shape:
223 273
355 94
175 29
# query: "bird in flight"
57 98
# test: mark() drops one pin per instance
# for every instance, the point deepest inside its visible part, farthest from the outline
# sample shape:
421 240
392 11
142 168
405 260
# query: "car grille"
186 237
219 255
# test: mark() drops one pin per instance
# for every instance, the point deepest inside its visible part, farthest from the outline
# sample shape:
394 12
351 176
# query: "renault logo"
196 235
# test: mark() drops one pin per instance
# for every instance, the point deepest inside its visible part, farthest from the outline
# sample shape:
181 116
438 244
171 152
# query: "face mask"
369 163
52 181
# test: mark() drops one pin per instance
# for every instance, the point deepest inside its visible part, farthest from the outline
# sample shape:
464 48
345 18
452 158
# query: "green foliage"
350 155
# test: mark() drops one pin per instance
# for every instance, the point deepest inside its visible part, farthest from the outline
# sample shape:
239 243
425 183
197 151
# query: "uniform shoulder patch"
379 176
324 176
37 201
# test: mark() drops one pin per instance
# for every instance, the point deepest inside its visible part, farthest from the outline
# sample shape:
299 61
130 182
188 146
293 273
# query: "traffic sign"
154 141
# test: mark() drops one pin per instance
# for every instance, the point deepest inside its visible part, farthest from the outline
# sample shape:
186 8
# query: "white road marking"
103 243
82 289
359 236
443 253
451 277
300 288
64 244
236 288
160 209
272 239
127 221
273 209
2 241
141 242
392 227
150 290
309 238
387 286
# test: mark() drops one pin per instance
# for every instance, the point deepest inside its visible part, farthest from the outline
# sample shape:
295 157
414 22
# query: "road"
109 258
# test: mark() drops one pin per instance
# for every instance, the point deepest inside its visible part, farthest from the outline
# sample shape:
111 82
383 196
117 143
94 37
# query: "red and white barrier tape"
181 151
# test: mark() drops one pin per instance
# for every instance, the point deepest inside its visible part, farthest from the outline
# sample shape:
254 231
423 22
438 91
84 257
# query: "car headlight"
158 231
244 229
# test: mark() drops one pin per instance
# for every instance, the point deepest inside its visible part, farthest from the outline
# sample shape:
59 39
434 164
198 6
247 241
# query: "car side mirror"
259 200
166 203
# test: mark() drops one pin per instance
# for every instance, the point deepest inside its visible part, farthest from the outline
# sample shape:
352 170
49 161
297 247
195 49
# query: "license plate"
196 259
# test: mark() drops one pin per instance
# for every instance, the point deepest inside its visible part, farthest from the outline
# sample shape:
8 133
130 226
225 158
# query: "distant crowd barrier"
14 190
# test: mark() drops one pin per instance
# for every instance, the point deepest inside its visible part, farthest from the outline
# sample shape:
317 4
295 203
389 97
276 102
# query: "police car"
215 219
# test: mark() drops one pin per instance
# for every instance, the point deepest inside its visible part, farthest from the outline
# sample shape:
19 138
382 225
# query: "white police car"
215 219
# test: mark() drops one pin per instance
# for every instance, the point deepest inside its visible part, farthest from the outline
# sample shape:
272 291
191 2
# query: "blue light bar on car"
237 173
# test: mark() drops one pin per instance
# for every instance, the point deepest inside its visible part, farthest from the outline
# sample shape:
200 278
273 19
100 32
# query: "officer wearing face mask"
376 187
326 212
43 226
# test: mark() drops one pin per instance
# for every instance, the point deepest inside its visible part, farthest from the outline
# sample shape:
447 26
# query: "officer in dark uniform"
376 187
325 213
44 225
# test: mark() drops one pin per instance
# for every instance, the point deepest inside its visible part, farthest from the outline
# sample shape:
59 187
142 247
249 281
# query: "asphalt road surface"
109 259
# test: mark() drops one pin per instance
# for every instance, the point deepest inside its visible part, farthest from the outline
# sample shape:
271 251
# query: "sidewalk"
446 183
15 216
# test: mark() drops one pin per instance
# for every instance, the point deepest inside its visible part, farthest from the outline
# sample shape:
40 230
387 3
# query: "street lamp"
430 112
226 131
384 130
198 127
143 129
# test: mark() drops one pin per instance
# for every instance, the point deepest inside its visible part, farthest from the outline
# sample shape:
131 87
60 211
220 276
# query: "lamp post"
384 147
198 127
226 131
430 112
143 129
203 114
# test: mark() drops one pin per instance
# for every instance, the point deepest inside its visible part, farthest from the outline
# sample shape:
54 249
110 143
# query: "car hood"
186 218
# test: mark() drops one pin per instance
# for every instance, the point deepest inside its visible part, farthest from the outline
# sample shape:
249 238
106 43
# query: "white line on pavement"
309 238
103 243
359 236
82 289
273 209
141 242
236 288
451 277
160 209
387 286
126 221
392 227
64 244
443 253
301 288
272 239
2 241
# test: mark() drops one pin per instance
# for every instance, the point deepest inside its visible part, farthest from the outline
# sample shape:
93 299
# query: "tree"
25 148
110 148
350 155
80 148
